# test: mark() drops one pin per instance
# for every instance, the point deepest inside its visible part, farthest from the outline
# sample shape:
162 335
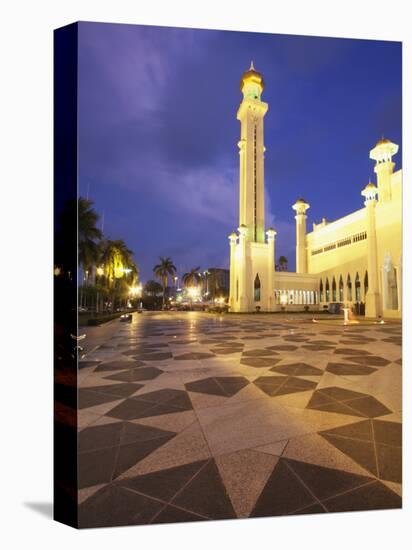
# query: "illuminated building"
356 259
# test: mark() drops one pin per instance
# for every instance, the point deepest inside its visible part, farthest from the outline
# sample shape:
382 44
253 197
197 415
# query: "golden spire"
252 75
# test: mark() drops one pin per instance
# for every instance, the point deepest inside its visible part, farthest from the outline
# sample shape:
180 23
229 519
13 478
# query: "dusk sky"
158 132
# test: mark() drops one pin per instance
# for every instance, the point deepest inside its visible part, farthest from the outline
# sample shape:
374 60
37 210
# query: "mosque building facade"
355 260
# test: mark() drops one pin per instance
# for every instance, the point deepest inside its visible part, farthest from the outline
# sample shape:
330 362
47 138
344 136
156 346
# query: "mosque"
355 260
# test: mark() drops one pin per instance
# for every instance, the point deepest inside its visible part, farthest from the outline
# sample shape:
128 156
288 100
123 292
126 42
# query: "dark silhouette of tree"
163 271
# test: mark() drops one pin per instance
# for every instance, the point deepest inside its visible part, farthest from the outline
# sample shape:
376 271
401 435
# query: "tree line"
107 267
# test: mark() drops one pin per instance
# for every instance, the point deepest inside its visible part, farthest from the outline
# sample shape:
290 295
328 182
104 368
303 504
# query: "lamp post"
193 293
136 291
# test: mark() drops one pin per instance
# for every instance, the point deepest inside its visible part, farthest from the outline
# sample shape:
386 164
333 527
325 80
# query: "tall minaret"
382 153
300 208
251 150
373 299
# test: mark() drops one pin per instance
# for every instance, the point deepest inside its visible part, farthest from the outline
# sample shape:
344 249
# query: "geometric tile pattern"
281 385
307 488
374 444
349 369
298 369
189 417
151 404
343 401
108 450
136 374
219 385
259 362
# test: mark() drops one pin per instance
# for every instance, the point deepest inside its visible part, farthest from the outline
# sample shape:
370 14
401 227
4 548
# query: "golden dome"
251 75
383 141
370 190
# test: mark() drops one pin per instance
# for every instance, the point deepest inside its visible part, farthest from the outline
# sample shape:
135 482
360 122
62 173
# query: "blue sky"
158 132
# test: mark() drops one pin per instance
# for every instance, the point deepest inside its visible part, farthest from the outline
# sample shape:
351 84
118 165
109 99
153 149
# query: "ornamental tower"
373 299
252 256
251 151
382 153
300 208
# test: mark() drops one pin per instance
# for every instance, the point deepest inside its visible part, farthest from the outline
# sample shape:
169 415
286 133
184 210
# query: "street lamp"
193 292
136 291
120 271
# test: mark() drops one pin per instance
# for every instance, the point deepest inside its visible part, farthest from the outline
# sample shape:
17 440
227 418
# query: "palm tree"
192 278
117 260
163 270
283 263
88 234
88 238
119 266
153 288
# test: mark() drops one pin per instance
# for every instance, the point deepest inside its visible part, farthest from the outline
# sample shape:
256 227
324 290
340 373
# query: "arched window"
340 289
357 288
366 282
257 288
321 291
333 290
327 291
349 286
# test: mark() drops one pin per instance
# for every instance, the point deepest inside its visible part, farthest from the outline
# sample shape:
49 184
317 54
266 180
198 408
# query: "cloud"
158 131
208 194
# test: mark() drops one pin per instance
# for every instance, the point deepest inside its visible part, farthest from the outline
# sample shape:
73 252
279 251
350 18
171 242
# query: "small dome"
300 206
370 191
383 141
252 75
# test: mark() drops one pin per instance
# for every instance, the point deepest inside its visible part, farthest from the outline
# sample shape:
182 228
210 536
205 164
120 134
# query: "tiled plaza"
193 416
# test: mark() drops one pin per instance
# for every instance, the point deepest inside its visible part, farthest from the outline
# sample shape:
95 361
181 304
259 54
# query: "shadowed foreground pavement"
190 416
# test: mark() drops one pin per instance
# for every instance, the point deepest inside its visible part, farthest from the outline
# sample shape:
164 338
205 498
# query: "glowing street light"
136 291
193 292
120 271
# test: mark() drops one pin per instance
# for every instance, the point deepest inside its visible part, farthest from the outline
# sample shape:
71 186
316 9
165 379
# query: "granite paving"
187 416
